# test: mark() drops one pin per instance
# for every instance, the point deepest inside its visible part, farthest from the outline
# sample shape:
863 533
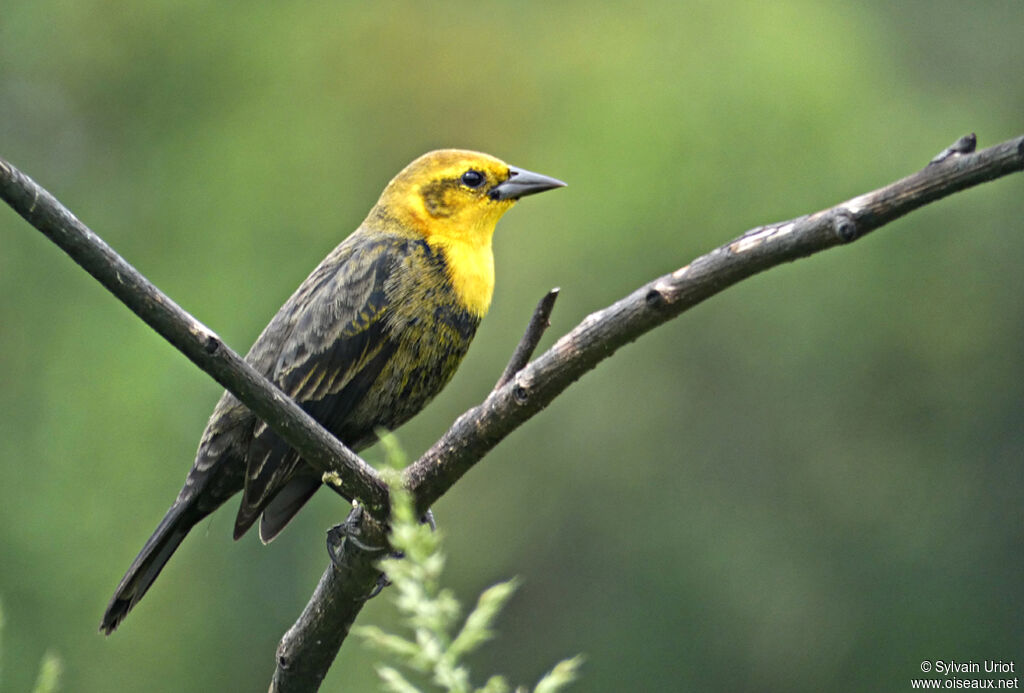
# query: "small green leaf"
477 629
564 673
495 684
49 673
394 681
431 612
387 642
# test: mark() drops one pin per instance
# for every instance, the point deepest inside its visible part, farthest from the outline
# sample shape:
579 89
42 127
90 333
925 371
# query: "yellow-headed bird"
367 340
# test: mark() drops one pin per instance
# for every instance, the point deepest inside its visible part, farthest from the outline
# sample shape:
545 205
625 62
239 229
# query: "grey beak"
521 182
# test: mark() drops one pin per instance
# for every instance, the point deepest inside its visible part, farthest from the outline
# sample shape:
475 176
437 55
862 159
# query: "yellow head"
453 199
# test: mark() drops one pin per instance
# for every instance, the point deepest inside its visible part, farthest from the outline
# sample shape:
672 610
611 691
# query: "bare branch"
192 338
603 332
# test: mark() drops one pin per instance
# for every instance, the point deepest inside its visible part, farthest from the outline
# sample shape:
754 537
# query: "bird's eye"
473 179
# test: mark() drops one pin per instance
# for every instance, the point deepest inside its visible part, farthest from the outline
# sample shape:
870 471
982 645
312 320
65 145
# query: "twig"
539 322
965 145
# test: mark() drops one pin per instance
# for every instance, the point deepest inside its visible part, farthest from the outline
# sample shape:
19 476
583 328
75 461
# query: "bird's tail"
148 564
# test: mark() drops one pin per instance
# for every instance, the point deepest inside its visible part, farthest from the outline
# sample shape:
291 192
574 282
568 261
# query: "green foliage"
49 674
431 612
48 679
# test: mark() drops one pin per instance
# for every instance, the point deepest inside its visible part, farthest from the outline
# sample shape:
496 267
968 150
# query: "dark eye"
473 179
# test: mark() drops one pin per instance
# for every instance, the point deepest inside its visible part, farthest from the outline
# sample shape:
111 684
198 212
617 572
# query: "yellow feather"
459 222
471 271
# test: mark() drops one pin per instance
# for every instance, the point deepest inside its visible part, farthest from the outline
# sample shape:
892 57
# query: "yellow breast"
470 269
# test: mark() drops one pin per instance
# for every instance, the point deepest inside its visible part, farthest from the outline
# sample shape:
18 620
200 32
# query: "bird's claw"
348 531
382 582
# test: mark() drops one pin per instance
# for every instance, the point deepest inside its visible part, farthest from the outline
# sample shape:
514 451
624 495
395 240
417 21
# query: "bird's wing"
324 349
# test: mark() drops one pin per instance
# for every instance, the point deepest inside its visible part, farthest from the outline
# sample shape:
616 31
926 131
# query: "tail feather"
279 510
288 501
147 565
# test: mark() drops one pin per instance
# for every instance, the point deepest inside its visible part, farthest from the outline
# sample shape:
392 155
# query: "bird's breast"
470 269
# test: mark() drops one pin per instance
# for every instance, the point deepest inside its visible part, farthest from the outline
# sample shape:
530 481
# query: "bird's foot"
350 531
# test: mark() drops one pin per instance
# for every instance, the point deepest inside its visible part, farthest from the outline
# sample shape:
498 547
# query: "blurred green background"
811 482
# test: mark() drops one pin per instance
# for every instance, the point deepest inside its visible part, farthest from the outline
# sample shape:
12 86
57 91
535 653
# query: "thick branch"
307 650
192 338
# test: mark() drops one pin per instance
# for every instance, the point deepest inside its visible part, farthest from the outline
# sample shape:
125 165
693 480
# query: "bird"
365 342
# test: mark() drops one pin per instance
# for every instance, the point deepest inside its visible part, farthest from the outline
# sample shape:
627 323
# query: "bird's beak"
521 182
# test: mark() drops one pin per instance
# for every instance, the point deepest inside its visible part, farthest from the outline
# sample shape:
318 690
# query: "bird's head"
456 195
453 198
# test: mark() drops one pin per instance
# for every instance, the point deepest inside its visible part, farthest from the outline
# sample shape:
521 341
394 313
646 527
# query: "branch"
308 649
601 333
192 338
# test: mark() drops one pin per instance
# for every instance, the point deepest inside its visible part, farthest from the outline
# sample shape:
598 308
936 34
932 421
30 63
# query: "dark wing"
324 348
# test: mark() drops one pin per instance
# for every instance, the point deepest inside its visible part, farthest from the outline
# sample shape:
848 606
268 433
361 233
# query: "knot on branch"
845 228
207 338
965 145
655 298
211 344
520 393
